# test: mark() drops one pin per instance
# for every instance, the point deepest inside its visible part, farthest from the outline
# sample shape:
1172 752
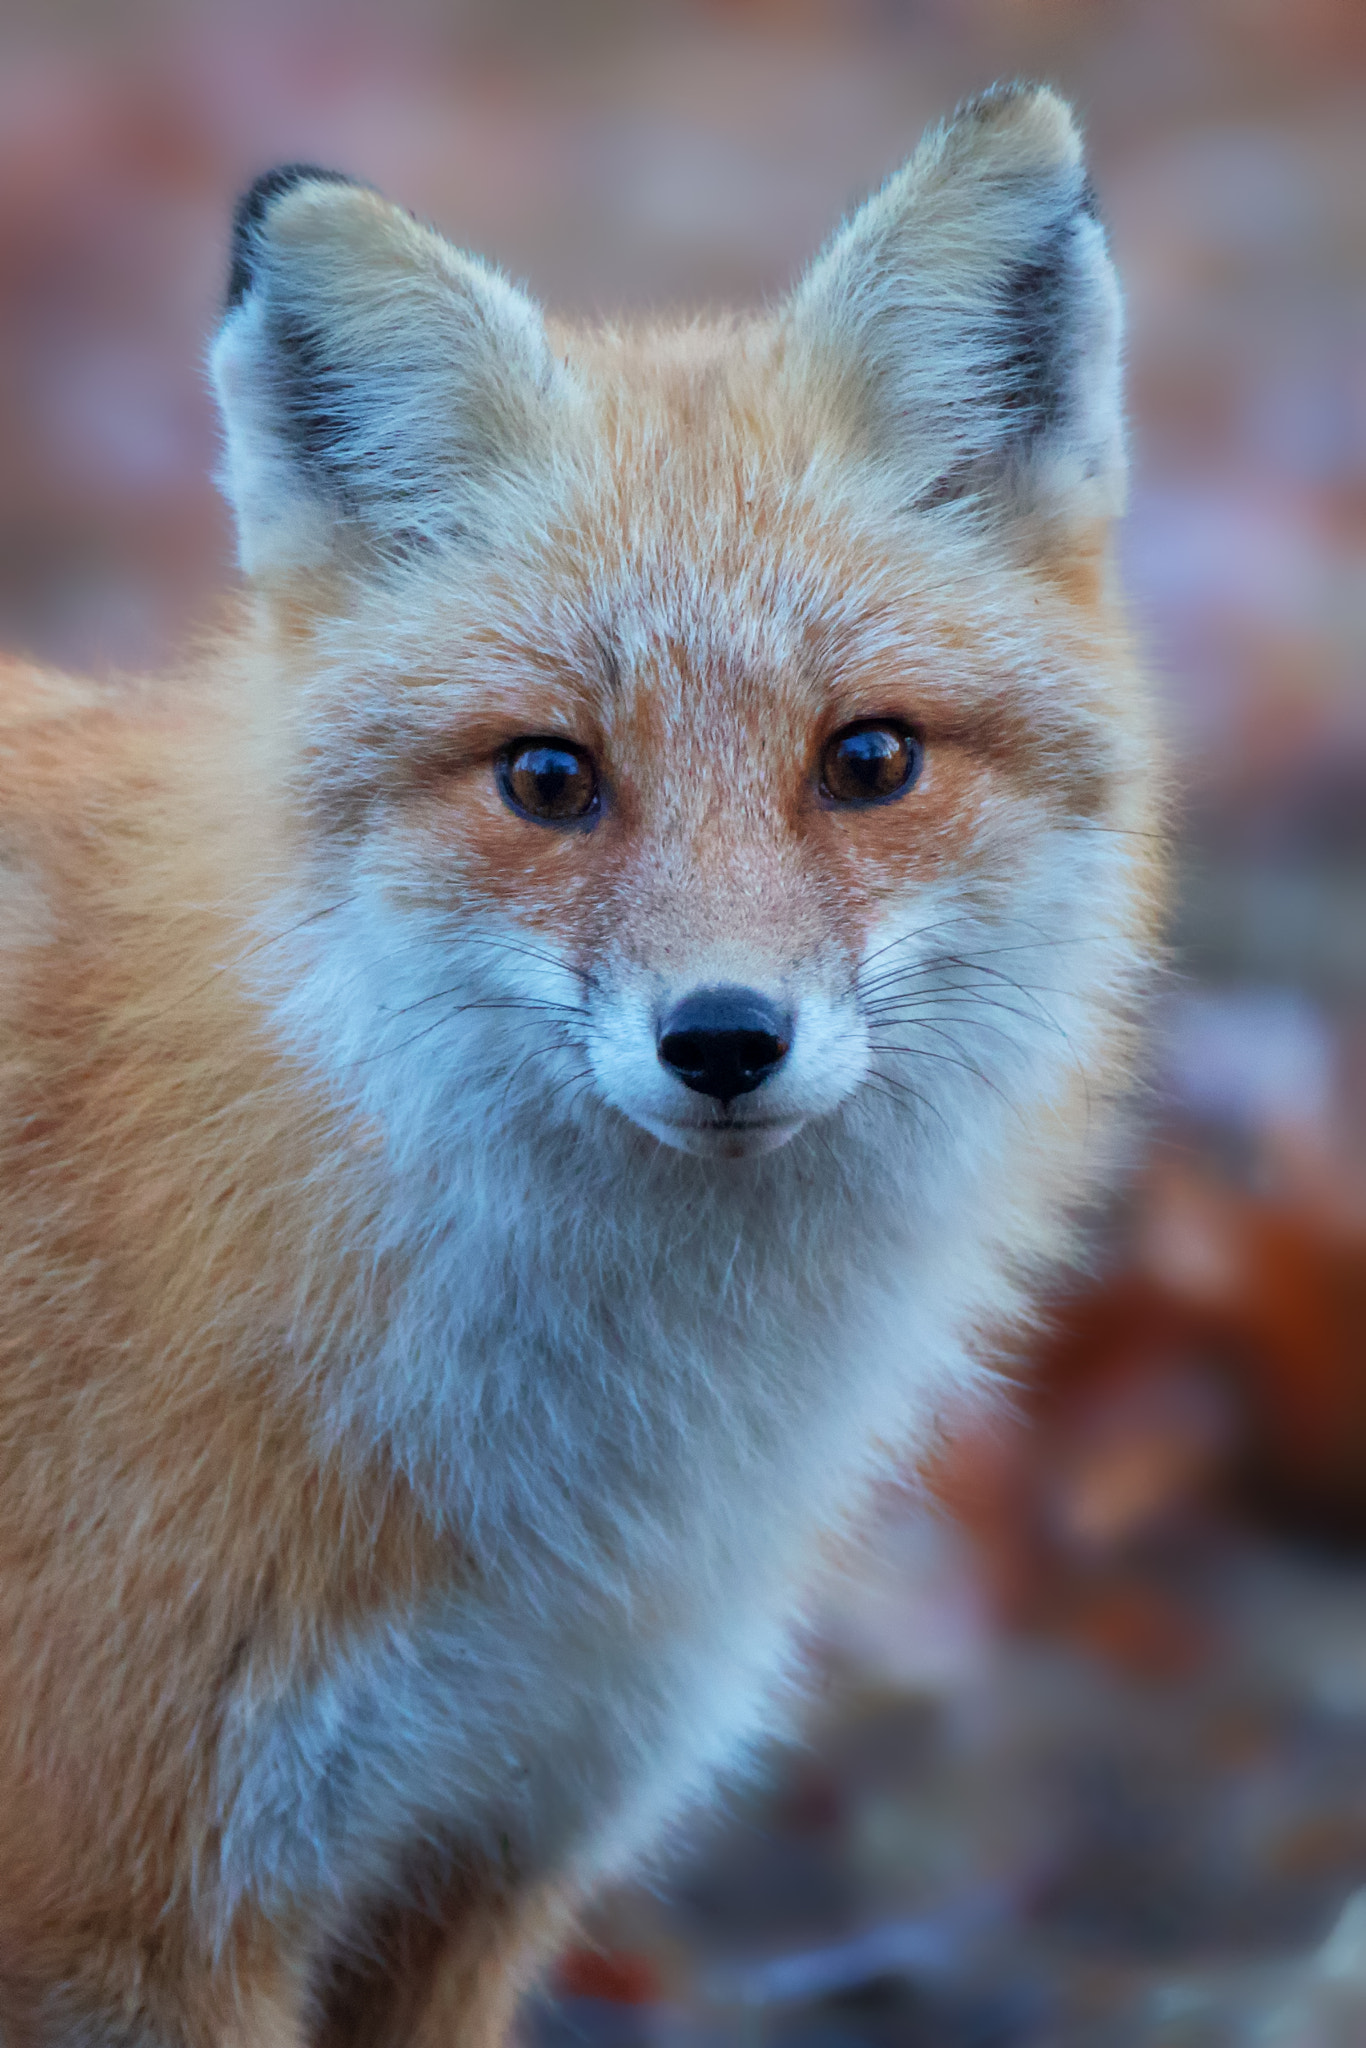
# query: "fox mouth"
725 1136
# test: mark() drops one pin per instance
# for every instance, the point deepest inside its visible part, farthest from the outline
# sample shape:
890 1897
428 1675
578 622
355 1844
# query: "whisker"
275 938
457 1010
910 1020
929 931
883 1084
250 953
987 993
814 1131
584 1074
981 1016
891 1011
1029 992
535 1053
528 1003
958 960
537 953
946 1059
385 1052
890 1017
923 931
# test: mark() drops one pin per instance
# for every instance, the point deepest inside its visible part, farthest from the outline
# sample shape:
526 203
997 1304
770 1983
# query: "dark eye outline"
582 821
904 732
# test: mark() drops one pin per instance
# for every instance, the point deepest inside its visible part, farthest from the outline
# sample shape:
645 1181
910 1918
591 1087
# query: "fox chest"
618 1641
536 1736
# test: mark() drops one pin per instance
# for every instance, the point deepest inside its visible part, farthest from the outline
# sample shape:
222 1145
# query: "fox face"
704 731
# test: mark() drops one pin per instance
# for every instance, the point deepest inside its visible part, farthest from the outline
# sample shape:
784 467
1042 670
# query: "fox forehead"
713 603
689 504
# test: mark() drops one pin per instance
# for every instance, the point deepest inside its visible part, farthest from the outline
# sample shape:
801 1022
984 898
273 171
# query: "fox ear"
373 380
971 317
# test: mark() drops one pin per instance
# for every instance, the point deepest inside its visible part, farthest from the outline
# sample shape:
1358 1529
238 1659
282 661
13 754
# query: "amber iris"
870 763
549 780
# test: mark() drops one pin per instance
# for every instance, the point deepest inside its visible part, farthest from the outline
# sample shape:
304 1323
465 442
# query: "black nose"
724 1041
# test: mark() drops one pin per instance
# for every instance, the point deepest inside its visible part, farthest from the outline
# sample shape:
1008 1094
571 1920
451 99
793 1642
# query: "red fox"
529 1074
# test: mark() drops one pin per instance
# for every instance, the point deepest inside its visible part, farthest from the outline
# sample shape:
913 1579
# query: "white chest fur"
643 1454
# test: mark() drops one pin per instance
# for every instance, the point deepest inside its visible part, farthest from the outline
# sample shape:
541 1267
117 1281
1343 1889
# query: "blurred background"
1086 1750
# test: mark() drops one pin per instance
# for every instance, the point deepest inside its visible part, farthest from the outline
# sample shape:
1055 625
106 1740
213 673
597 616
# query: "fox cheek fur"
575 1031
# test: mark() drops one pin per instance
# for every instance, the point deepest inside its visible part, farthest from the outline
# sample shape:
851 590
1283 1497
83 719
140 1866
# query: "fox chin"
555 1049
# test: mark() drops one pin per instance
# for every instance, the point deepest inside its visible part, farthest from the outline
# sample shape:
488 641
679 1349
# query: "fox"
553 1053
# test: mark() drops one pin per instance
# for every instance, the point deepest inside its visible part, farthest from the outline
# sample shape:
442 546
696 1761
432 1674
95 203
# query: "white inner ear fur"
372 382
972 312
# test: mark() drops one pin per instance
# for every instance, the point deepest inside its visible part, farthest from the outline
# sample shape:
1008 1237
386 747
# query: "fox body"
565 1040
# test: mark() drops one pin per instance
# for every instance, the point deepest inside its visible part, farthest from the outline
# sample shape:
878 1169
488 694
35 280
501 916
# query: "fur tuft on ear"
971 315
374 382
249 216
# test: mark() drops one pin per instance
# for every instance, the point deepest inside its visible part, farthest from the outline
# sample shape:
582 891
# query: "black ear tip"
251 210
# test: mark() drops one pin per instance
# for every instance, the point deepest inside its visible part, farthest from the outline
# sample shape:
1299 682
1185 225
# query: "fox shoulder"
85 770
43 715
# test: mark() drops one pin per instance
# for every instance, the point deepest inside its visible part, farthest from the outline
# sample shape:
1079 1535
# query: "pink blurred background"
1089 1752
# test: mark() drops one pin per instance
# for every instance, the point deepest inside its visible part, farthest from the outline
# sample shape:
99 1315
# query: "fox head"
713 728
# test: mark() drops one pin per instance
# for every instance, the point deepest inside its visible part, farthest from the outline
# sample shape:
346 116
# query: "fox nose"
724 1041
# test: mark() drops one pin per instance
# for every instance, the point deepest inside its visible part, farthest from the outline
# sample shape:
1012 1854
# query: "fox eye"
549 780
870 763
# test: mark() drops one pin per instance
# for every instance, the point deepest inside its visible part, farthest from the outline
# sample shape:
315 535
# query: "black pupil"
869 763
550 781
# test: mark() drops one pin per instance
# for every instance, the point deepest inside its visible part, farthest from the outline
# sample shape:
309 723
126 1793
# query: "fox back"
561 1046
